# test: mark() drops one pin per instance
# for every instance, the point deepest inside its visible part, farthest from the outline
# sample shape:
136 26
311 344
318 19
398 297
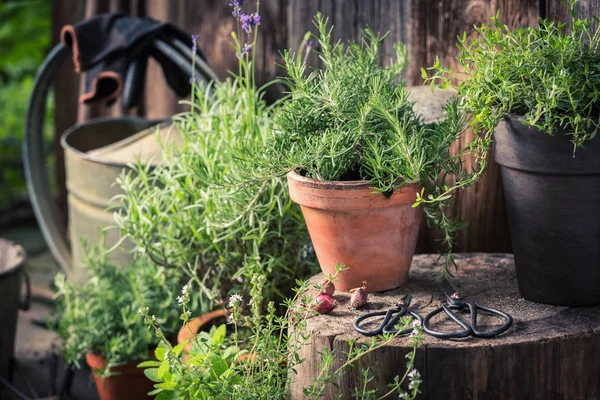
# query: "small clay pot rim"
194 325
329 185
98 361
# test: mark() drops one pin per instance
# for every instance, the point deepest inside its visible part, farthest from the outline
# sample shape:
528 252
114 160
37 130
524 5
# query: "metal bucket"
91 182
12 259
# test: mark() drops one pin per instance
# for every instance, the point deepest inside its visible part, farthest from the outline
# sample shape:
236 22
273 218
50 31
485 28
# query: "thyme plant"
221 366
549 74
100 316
352 119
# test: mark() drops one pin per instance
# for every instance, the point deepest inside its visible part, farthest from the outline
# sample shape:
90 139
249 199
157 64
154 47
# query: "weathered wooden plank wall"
428 27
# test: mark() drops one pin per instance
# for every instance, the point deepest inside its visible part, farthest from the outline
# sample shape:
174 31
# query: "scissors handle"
466 329
474 307
390 327
388 315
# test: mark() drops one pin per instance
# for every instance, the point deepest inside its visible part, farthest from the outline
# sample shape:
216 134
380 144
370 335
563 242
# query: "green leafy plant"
549 74
262 367
188 214
233 234
102 315
352 119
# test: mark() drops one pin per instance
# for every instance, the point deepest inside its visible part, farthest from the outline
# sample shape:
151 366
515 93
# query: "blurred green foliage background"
25 33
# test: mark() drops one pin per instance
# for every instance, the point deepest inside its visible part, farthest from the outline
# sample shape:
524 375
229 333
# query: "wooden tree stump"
550 352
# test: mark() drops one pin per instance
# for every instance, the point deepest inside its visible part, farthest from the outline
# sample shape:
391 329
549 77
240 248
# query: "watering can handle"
41 197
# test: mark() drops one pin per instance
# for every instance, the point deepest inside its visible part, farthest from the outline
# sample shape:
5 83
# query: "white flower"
186 289
179 300
235 300
415 379
191 365
140 310
154 318
416 323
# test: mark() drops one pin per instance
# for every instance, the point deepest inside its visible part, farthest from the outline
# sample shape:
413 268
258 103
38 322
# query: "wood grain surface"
550 352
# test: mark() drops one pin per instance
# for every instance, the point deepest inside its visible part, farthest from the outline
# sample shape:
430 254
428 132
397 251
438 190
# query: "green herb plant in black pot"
534 92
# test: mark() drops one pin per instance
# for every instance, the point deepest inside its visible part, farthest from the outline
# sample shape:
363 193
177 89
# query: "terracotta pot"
129 384
191 329
374 236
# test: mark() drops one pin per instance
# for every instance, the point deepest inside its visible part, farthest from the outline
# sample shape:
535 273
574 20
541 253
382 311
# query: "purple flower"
249 21
236 4
195 80
247 49
195 42
310 44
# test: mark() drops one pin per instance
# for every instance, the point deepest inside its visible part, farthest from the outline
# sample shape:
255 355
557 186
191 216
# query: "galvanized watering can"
96 152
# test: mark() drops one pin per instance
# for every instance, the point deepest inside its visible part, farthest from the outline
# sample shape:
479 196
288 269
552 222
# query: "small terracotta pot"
371 234
191 329
129 384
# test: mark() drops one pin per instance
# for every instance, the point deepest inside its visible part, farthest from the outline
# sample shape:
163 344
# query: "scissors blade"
449 290
405 301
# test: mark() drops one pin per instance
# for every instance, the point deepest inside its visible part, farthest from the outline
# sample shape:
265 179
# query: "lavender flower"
247 49
236 5
249 21
310 44
195 80
195 42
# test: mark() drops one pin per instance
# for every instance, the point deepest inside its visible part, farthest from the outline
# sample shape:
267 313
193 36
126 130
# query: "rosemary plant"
549 74
100 316
353 120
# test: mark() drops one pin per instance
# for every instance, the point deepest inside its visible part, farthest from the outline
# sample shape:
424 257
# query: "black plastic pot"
553 201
